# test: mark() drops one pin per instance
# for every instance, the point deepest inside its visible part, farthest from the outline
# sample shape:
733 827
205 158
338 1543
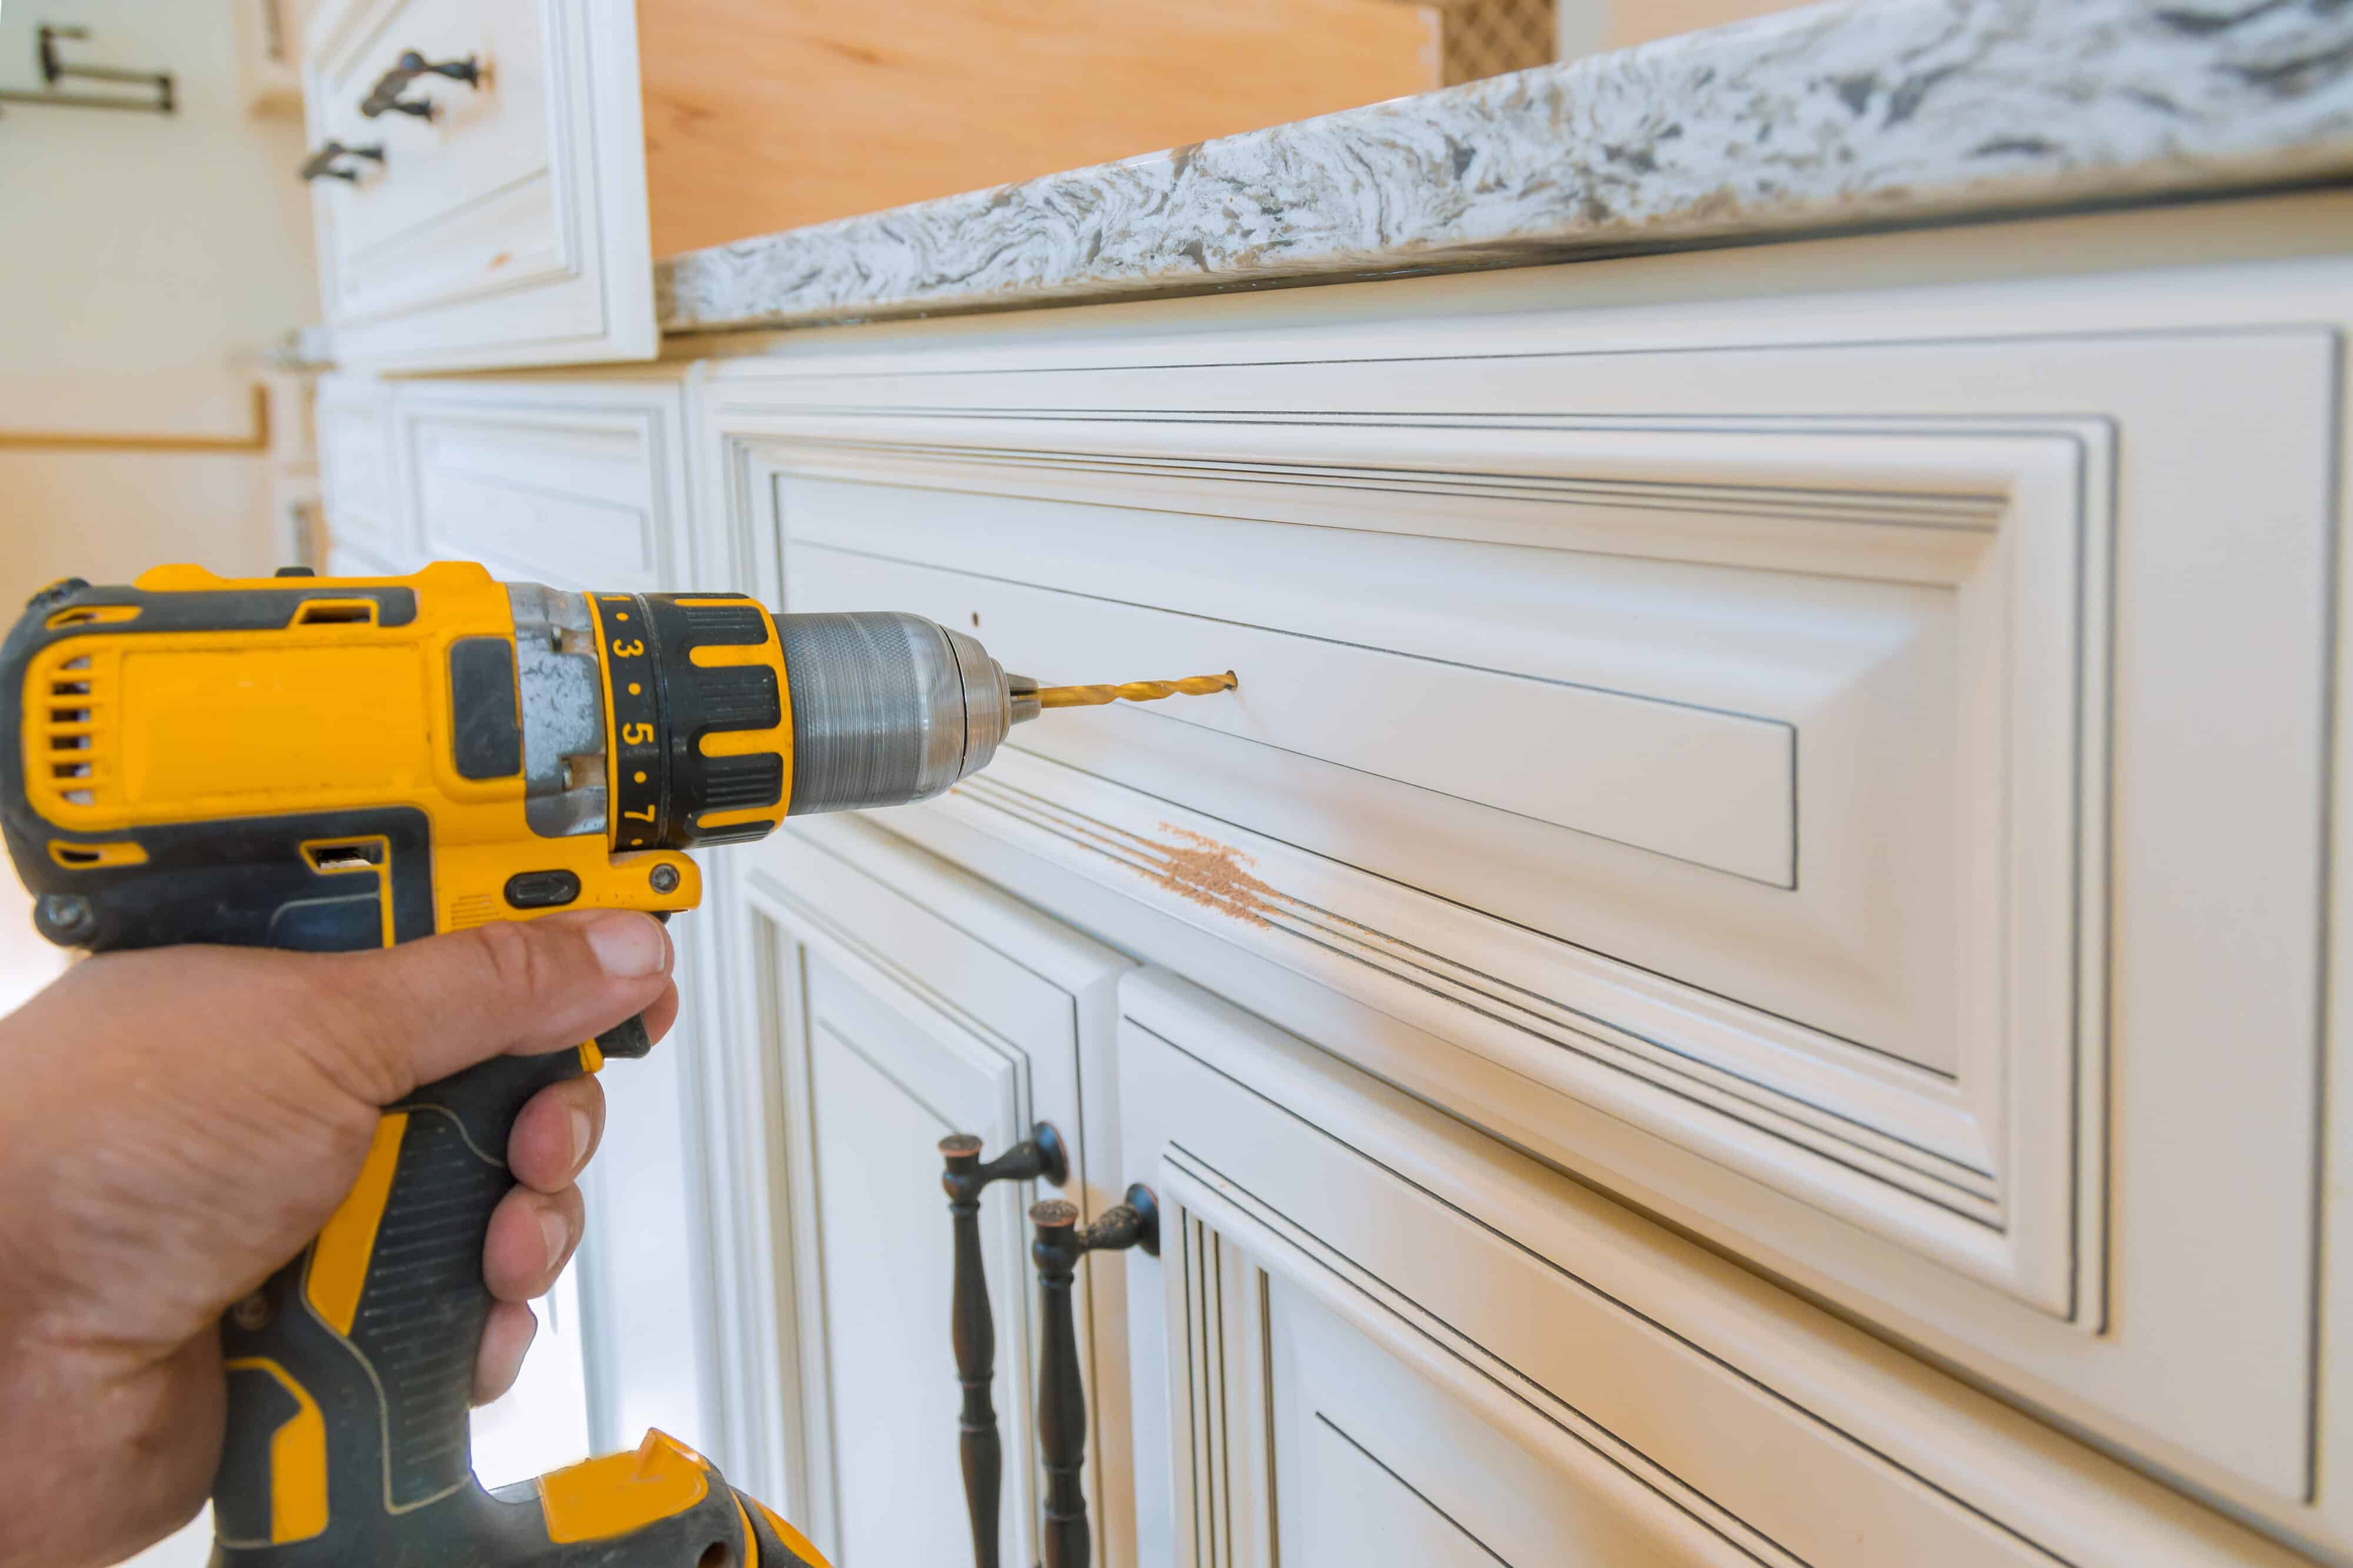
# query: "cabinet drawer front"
507 228
1377 1326
573 484
1762 776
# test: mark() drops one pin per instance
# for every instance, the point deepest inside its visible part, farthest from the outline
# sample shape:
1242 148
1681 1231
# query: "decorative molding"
2162 468
1978 1167
549 267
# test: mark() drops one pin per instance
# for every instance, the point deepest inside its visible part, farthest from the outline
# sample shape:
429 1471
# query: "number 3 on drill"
636 734
627 649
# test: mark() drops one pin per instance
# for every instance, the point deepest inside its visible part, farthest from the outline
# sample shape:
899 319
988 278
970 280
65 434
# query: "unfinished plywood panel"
761 118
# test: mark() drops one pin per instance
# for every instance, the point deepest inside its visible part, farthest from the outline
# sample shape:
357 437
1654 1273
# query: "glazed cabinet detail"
479 183
887 1001
1387 1340
1836 785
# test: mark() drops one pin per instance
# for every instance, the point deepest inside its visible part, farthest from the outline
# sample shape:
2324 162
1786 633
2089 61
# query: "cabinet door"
894 1000
579 483
508 228
1387 1339
576 481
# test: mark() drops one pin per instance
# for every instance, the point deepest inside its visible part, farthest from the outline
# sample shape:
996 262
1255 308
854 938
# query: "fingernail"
557 1231
581 1131
630 946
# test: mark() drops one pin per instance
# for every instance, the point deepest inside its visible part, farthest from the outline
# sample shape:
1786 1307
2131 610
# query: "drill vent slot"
72 734
327 857
336 613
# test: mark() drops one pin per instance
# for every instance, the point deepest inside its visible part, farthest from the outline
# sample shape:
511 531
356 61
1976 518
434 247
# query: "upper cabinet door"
495 222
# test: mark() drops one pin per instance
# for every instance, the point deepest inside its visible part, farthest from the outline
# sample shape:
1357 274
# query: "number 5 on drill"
636 734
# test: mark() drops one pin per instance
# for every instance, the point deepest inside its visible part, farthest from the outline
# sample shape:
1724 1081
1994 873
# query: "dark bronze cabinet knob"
326 162
385 97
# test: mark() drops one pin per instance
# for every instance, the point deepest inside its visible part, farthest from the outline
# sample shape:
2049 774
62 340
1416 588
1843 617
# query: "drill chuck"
889 707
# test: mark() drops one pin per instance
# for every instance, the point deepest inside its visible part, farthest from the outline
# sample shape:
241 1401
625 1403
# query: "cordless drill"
331 764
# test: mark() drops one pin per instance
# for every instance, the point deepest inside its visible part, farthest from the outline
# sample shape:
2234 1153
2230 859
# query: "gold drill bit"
1134 691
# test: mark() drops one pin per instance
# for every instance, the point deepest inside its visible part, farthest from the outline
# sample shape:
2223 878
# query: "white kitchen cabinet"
575 479
885 1000
358 482
507 228
1388 1339
577 482
1834 771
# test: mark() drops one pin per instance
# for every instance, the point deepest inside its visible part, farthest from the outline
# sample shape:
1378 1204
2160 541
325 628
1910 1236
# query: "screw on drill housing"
663 878
65 918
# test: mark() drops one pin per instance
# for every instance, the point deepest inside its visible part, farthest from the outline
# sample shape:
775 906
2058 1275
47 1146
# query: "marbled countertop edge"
1860 114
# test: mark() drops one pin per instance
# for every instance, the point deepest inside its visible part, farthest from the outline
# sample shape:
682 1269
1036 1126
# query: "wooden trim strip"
72 441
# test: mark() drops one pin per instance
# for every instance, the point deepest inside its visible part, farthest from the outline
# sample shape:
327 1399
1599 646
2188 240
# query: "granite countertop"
1866 114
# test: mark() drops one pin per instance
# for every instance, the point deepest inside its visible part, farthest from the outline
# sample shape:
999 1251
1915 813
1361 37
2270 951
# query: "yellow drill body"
338 764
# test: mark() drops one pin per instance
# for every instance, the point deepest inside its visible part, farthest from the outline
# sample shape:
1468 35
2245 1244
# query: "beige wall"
147 263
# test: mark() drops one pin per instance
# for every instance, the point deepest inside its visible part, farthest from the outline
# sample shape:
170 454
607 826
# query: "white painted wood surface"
1979 574
885 1000
1382 1329
510 229
2007 1048
573 480
358 484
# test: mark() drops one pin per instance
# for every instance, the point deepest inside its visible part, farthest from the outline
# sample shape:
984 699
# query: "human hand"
175 1124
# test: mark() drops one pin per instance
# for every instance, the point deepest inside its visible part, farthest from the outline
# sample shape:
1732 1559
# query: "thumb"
425 1009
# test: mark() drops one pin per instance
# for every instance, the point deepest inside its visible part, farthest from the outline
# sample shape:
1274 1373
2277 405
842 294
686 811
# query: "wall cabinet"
511 213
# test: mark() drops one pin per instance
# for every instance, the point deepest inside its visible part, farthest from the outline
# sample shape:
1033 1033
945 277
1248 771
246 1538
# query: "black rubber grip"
393 1385
422 1311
